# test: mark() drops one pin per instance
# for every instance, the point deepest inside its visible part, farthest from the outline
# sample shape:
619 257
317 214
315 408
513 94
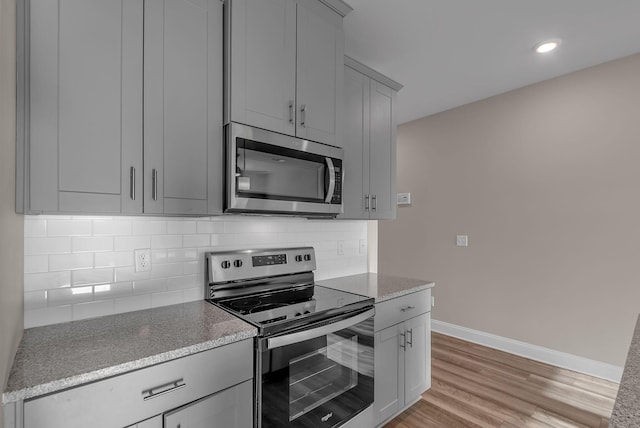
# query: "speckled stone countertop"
626 411
380 287
55 357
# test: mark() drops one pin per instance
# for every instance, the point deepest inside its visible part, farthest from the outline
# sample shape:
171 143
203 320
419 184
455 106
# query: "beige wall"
545 180
11 224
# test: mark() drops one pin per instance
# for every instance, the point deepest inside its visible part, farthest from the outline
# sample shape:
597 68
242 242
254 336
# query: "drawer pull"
154 392
407 308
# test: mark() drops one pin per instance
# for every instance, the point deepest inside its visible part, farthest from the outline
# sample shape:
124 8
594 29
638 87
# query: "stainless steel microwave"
272 173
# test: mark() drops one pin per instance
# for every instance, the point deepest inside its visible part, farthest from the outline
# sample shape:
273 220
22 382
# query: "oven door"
318 377
271 172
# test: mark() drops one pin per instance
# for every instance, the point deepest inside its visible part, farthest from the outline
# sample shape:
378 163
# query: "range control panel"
227 266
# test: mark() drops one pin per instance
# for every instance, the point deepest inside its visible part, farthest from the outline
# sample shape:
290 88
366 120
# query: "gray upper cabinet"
84 122
285 62
183 110
369 143
83 102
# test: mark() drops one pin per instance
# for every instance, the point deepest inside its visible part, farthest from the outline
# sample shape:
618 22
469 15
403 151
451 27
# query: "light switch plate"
403 198
462 240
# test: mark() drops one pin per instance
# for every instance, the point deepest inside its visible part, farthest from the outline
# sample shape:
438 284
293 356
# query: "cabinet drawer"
135 396
402 308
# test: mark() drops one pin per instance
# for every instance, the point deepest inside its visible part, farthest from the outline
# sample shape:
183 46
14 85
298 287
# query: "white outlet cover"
403 198
462 240
143 260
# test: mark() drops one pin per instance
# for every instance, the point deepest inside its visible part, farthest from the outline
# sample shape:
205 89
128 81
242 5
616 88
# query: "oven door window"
319 382
267 171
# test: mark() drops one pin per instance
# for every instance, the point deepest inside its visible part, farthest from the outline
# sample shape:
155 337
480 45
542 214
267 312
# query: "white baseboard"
533 352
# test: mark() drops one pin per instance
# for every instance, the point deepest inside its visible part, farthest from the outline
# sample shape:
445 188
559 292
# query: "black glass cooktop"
282 310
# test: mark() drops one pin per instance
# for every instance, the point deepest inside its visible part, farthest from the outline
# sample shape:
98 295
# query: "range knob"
307 257
298 258
237 263
226 264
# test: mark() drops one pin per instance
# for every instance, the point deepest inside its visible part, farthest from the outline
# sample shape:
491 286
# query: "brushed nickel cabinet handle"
403 345
410 342
407 308
374 202
303 115
156 391
154 184
366 202
291 112
132 183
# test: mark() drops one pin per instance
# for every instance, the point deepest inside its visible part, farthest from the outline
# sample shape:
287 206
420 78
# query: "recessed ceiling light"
547 46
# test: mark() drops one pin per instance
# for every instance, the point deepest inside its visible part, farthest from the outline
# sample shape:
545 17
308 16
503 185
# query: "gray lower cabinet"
120 106
369 143
212 388
285 62
402 354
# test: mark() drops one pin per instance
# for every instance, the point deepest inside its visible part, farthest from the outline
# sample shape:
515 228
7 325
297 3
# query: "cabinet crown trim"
373 74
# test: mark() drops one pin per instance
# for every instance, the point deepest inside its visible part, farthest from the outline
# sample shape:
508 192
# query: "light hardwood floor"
475 386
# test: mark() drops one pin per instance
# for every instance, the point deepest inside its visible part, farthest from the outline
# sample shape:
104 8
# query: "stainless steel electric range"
314 350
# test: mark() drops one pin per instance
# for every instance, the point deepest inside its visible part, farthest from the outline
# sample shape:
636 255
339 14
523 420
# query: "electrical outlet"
462 240
363 246
340 248
143 260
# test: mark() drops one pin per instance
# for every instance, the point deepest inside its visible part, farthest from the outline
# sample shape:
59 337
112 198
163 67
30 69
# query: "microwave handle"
332 180
301 336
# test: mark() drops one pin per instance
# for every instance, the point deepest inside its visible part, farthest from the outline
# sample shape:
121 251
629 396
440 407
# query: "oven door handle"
301 336
332 180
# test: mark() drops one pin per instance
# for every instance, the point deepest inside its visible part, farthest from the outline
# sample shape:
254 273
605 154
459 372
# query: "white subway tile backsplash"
70 261
46 281
69 227
209 227
132 303
149 227
166 241
35 264
190 241
35 300
114 259
35 227
92 276
46 316
149 286
166 298
112 227
182 227
182 282
35 246
91 244
81 267
70 295
122 243
93 309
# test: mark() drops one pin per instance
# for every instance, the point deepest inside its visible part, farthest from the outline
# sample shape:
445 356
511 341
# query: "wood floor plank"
475 386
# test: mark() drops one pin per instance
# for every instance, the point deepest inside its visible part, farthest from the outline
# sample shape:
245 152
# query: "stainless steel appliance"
314 350
274 173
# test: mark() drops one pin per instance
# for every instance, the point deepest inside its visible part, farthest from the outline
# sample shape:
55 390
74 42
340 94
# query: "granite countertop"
380 287
626 411
56 357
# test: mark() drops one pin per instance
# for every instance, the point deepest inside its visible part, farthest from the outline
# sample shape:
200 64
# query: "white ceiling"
448 53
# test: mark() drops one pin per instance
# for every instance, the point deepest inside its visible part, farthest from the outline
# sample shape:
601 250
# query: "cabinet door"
382 141
85 106
183 107
389 373
417 357
262 58
320 66
356 144
231 408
